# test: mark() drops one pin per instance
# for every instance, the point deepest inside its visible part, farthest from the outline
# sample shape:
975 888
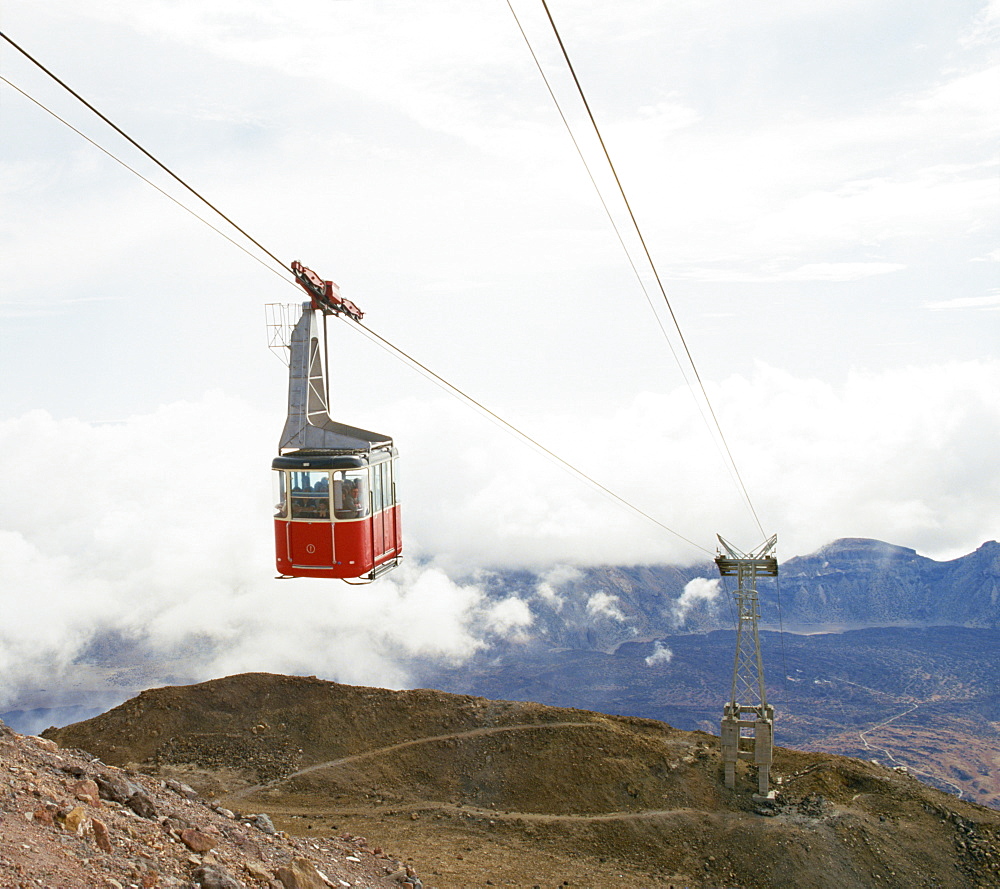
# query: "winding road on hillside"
414 742
927 775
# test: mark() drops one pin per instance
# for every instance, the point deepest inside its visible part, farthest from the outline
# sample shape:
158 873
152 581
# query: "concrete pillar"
763 735
730 736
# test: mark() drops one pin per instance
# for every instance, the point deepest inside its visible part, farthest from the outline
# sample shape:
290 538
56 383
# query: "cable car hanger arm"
325 295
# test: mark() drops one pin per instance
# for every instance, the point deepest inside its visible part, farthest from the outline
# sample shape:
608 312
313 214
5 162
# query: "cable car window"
350 493
377 487
280 499
386 484
310 495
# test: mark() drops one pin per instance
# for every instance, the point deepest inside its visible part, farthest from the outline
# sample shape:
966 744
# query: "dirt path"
537 817
927 775
864 740
402 745
902 701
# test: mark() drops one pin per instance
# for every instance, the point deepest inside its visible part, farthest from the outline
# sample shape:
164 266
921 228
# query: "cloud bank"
159 527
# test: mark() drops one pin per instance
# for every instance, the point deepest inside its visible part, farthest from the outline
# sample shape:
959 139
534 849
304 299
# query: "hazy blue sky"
817 183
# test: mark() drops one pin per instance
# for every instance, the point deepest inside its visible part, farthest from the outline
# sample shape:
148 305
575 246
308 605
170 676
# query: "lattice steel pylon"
748 697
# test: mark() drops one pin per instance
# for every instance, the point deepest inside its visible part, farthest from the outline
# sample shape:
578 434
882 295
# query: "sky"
817 185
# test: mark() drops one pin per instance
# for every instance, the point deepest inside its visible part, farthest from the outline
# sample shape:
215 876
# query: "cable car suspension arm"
325 295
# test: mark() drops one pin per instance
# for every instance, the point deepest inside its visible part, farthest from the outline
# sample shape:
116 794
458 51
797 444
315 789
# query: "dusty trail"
861 734
402 745
479 814
884 722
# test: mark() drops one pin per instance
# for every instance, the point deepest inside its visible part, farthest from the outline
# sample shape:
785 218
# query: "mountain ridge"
849 583
858 579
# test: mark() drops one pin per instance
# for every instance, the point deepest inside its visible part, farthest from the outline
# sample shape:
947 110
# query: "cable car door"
310 544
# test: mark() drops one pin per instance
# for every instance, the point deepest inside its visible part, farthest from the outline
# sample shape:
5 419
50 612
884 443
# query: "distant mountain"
857 582
848 584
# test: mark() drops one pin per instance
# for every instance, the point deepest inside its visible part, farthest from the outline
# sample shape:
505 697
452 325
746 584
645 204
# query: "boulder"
75 820
101 835
86 791
114 786
215 877
301 874
142 804
197 840
264 823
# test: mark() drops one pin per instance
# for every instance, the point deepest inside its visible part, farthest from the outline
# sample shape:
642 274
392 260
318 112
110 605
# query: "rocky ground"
67 820
478 793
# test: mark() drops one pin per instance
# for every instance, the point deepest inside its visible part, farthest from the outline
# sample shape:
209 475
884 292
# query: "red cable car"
335 485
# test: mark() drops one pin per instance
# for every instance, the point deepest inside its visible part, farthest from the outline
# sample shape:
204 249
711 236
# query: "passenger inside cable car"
350 494
356 506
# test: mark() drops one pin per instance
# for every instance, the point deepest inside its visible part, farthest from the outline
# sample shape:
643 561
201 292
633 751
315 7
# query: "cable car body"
337 513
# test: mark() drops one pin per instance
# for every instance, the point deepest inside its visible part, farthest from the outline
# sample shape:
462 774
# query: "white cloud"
987 303
798 179
509 616
841 271
159 528
698 591
603 604
900 455
547 588
817 271
363 635
661 655
986 24
972 92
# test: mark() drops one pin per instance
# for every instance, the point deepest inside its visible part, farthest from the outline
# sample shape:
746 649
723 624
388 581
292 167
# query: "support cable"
122 133
373 335
652 265
731 460
149 182
565 464
600 196
628 253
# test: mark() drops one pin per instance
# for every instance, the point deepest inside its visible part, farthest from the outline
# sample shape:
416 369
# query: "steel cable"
400 353
652 266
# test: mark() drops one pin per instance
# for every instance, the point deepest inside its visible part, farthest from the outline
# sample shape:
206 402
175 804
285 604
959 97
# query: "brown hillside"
480 792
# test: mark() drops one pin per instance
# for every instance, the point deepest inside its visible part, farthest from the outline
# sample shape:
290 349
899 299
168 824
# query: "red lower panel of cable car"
337 548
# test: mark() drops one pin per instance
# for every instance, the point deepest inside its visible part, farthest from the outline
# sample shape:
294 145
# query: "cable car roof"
299 460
